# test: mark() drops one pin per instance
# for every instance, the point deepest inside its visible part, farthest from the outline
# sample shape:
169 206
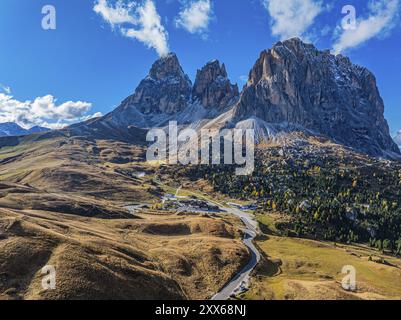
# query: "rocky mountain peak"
292 50
213 88
296 46
295 83
213 69
167 89
292 87
168 66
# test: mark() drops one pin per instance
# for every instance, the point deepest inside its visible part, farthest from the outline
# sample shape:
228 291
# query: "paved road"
241 279
133 209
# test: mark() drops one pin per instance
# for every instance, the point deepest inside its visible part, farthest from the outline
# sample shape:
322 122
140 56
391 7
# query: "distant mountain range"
292 88
8 129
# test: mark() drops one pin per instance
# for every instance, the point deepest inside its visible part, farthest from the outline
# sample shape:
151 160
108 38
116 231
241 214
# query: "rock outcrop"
297 84
212 87
292 88
167 89
167 94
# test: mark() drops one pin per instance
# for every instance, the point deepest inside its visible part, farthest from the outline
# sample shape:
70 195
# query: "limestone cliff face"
292 86
213 88
167 89
167 94
295 83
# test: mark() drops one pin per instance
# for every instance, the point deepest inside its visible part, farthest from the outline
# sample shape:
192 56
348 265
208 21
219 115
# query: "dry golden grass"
295 268
116 259
61 204
20 197
74 165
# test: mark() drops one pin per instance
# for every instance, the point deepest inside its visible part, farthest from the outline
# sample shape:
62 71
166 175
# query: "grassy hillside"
294 268
144 257
62 203
84 167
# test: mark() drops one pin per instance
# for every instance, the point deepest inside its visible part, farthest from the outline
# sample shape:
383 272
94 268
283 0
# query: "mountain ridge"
297 84
293 87
13 129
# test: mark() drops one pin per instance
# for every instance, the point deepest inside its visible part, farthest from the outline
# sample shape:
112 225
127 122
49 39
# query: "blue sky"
93 60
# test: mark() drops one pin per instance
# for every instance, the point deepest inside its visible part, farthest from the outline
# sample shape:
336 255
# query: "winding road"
241 279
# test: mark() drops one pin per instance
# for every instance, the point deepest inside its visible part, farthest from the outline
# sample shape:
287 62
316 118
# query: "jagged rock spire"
165 67
213 88
167 89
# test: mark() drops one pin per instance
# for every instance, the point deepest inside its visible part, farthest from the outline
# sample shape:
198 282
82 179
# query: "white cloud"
381 19
292 18
195 16
152 32
5 89
137 21
43 111
118 14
